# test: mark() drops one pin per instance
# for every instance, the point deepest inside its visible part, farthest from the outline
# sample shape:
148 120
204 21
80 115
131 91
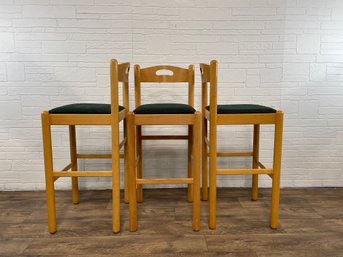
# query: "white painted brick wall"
284 53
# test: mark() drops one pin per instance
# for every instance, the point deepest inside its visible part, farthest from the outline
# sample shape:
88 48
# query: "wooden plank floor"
311 224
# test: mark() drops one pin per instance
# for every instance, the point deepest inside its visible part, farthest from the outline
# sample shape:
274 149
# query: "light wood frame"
212 119
135 123
118 73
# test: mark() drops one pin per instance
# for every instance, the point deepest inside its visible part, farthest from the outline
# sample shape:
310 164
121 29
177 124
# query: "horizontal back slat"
205 72
123 72
150 74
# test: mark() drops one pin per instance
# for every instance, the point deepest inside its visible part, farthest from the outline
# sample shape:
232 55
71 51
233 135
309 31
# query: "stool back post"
190 191
213 144
191 85
137 85
114 89
118 73
213 92
115 147
205 78
123 76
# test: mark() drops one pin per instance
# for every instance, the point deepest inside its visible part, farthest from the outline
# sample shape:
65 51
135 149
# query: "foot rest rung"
165 181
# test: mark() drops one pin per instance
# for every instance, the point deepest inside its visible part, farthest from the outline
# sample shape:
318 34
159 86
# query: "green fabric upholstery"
164 108
242 108
84 108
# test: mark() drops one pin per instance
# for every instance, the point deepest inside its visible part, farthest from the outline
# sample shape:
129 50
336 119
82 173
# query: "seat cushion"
84 108
164 108
242 108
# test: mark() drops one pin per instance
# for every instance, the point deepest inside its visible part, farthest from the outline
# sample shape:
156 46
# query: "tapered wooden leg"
49 179
132 171
73 159
126 165
115 178
274 215
139 163
204 160
213 176
196 171
255 159
190 164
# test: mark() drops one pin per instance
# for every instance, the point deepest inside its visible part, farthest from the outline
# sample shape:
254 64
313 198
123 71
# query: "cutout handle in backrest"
164 73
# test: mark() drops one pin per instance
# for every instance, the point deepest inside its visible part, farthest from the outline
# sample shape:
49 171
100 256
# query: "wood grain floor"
311 224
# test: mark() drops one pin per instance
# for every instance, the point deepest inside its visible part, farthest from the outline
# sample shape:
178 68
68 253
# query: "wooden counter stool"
89 114
237 114
165 114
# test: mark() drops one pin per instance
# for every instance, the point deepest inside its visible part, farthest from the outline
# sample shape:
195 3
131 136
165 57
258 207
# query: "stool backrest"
174 75
119 73
209 77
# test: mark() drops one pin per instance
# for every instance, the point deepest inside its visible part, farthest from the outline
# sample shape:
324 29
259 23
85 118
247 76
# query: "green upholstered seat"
242 108
164 108
84 108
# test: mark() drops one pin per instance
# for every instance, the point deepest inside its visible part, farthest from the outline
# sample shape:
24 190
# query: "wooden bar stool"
241 114
164 114
89 114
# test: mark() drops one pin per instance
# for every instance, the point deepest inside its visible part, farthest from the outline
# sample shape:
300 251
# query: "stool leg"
73 159
115 178
132 171
190 164
213 177
139 164
274 215
126 165
196 171
255 159
204 160
49 179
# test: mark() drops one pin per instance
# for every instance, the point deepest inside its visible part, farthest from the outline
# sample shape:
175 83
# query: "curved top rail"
150 74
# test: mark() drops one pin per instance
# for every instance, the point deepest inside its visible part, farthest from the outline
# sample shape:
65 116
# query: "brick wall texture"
287 54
